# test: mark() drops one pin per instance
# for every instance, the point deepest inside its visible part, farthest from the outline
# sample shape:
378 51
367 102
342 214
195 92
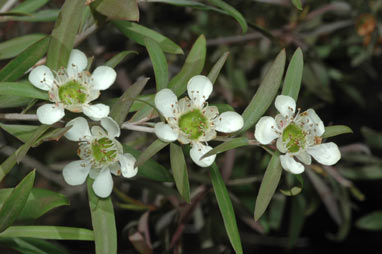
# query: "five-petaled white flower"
100 154
297 135
72 88
191 120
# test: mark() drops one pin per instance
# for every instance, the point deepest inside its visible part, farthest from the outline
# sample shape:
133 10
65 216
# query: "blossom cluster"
189 120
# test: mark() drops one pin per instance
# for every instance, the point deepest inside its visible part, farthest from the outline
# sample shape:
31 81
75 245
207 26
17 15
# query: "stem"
16 116
132 126
8 5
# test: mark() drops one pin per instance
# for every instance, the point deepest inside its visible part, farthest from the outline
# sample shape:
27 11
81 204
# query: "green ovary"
101 150
193 124
72 93
295 137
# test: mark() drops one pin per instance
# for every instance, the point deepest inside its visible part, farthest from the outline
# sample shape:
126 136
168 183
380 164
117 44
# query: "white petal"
228 122
41 77
98 131
50 113
165 133
103 184
77 62
96 111
199 89
165 102
197 151
80 129
127 162
285 105
326 154
103 77
304 157
319 125
289 164
111 127
75 172
265 131
281 145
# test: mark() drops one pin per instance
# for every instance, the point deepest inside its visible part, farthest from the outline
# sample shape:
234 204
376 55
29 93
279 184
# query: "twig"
134 127
16 116
8 5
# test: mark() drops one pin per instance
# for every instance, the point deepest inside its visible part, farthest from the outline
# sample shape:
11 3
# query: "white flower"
72 88
100 154
297 135
192 121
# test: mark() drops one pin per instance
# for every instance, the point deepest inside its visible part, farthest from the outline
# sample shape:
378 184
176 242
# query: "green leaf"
25 60
39 202
30 6
150 151
32 246
226 209
192 66
371 221
103 221
10 162
158 59
293 76
297 218
138 33
64 33
232 12
265 93
228 145
150 168
370 172
15 202
117 9
179 170
297 4
331 131
22 132
22 89
47 15
214 73
115 60
49 232
14 101
268 185
121 108
13 47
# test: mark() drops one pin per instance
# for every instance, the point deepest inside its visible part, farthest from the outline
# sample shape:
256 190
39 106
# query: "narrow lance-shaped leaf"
331 131
15 202
13 47
150 169
228 145
103 221
25 60
22 89
32 245
232 12
64 33
138 33
265 93
150 151
158 59
39 202
293 76
50 232
226 208
297 218
121 108
371 221
179 170
297 4
214 73
117 9
192 66
115 60
268 185
30 6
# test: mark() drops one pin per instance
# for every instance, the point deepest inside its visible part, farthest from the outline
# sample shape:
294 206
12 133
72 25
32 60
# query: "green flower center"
295 138
72 92
193 123
103 150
